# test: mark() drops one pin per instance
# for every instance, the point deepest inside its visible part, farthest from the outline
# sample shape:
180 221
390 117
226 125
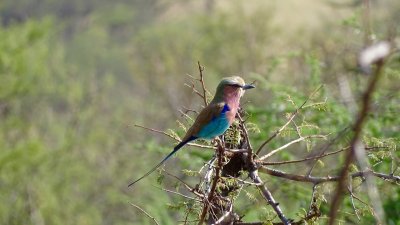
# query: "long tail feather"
179 146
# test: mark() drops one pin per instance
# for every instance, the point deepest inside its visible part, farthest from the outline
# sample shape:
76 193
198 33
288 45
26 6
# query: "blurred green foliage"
75 75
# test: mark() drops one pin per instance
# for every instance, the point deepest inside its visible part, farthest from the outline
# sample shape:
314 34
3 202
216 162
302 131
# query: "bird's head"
231 87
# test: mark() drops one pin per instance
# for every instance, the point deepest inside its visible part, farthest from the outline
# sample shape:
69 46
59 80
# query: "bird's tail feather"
179 146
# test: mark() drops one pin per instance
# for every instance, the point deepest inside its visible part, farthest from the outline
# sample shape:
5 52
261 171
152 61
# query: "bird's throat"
232 98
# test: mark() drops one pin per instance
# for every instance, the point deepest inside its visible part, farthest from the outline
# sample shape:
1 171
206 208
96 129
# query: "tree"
224 177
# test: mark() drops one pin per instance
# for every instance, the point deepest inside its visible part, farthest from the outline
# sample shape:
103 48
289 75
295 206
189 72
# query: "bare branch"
191 86
173 137
201 69
358 126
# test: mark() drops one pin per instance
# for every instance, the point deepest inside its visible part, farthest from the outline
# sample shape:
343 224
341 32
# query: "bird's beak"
248 86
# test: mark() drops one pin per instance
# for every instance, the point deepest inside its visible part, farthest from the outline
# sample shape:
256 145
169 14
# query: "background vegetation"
76 75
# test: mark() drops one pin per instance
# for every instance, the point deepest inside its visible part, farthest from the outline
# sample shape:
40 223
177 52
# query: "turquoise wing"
216 126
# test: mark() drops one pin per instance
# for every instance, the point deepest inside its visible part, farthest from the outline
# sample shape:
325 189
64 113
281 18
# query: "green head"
228 85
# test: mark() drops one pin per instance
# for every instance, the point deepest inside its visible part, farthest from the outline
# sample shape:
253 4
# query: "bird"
215 118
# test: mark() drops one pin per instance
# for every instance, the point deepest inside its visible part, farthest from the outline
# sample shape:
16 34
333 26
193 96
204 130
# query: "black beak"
248 86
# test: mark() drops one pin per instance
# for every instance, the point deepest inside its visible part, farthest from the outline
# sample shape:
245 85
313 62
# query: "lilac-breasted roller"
214 119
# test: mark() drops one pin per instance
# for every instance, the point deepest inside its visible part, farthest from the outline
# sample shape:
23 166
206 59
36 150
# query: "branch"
148 215
201 69
246 136
254 176
214 184
173 137
310 158
305 159
289 144
318 180
194 89
277 132
326 147
268 196
358 126
300 222
223 217
187 186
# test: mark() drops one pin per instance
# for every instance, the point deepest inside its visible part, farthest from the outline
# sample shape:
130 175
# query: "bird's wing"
204 117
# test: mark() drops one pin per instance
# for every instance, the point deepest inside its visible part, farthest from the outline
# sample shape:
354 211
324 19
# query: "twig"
194 90
350 189
188 118
189 110
180 194
305 159
148 215
366 204
289 144
308 158
277 132
222 218
173 137
201 69
179 179
326 147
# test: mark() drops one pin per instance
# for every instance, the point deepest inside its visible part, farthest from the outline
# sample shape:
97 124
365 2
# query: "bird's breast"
233 108
230 116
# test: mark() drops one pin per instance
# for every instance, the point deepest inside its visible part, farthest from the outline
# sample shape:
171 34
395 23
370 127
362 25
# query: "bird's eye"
236 85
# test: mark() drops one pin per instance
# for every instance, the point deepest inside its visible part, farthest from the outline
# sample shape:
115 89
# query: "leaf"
190 173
